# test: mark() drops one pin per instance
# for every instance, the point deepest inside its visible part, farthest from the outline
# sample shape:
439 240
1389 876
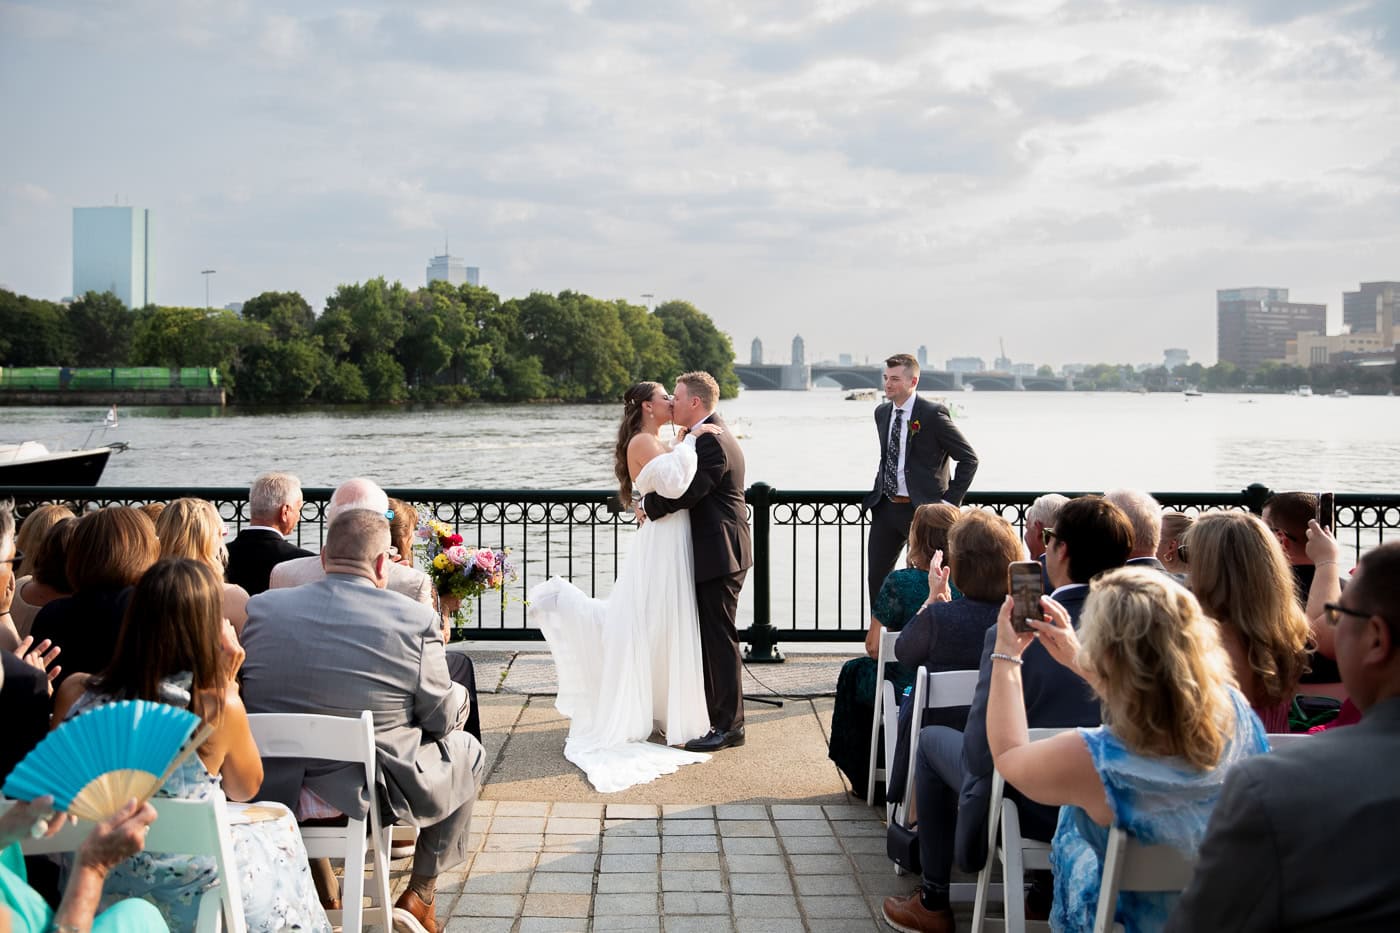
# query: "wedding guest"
1145 514
111 842
24 690
403 531
192 528
1039 516
1288 515
1174 528
1174 725
177 648
109 551
48 580
1240 575
33 529
152 510
903 592
274 506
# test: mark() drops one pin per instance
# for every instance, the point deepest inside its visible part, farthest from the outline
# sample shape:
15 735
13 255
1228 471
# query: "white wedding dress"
631 663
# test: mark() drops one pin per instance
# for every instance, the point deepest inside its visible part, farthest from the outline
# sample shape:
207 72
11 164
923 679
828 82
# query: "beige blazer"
410 581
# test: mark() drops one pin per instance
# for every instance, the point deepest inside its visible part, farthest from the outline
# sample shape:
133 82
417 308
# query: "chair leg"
379 890
874 748
352 893
984 884
1012 871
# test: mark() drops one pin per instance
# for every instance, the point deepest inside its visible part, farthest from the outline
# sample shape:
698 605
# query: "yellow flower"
441 562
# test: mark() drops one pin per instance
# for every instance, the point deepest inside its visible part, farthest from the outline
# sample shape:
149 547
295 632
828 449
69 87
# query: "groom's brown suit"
719 530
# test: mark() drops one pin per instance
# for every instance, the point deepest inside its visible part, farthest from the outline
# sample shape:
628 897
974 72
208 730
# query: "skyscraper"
1255 324
449 269
112 253
1371 308
756 352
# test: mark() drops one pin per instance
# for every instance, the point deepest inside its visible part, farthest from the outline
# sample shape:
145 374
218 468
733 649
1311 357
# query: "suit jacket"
253 554
1304 838
339 646
408 581
719 517
926 455
1055 697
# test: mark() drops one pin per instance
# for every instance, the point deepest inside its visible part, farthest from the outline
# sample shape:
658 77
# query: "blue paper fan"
95 762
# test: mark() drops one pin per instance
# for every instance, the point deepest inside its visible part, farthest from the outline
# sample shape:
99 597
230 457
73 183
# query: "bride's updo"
631 424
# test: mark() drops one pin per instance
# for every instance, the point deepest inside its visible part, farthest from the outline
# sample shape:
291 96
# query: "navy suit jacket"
926 455
253 554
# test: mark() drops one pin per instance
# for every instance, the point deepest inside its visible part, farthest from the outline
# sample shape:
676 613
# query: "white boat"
32 464
1340 393
1192 393
1305 391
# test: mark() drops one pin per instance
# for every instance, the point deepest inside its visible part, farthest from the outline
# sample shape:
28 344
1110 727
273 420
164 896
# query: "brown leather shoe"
411 915
909 915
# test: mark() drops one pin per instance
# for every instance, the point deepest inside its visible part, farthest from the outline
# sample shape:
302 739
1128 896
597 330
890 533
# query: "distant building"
967 364
923 357
112 253
1321 349
1073 369
1001 364
1174 357
1371 309
474 276
1255 324
1022 369
447 268
756 352
799 351
844 359
235 306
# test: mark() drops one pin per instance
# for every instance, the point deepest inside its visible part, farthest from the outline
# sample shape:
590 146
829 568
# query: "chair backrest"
939 690
1278 740
879 769
1131 866
182 827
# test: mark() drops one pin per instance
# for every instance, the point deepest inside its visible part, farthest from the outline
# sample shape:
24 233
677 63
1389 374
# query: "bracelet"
1320 564
998 656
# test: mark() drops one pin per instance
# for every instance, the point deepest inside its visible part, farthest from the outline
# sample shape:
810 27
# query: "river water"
794 440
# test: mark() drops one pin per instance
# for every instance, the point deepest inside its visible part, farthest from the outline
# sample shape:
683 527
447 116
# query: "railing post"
1255 495
763 638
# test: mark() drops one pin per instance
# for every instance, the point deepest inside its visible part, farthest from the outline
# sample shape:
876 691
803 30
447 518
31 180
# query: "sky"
1074 177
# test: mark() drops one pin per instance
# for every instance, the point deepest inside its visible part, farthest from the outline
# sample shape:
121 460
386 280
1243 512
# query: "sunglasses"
1334 613
1046 534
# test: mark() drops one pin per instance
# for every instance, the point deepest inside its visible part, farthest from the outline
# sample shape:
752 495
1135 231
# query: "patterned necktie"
892 455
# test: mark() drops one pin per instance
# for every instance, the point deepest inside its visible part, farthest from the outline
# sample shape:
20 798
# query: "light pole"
206 273
648 296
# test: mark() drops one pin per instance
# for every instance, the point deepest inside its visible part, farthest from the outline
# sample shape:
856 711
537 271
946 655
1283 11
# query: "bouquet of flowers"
459 573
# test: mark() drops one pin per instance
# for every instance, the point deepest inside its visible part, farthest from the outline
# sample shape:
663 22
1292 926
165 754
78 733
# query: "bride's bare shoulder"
642 449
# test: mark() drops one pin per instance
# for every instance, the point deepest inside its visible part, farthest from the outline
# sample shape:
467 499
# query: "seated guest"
274 506
48 576
341 645
152 510
176 647
358 493
1040 515
1240 575
109 551
1145 514
1174 724
1174 528
31 533
111 842
1287 514
192 528
901 595
24 691
953 770
1304 838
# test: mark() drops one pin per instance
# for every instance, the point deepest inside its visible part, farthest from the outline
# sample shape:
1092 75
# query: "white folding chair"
878 773
337 738
1017 855
1129 865
939 690
1278 740
182 827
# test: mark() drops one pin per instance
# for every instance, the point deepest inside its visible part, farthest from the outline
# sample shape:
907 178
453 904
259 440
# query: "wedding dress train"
631 664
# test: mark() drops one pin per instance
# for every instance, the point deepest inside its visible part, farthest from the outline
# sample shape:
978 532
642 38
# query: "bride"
630 664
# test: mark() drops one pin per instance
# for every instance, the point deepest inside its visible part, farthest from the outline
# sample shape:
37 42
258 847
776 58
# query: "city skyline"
948 175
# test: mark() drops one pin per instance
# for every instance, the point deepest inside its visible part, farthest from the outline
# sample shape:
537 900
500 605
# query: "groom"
719 529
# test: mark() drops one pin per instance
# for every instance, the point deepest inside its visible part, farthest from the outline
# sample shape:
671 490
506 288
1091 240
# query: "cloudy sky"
1074 176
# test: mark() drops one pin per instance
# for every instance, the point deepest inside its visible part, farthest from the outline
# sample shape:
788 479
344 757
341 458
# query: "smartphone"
1024 583
1326 509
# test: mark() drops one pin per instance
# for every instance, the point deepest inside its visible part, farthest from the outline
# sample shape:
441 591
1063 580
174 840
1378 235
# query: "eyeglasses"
19 556
1279 532
1046 534
1335 612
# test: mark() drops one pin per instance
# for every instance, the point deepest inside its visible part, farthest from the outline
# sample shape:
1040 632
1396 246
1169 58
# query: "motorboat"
32 464
1192 393
1305 391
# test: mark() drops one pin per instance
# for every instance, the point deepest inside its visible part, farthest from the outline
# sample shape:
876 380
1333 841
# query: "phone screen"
1326 509
1026 589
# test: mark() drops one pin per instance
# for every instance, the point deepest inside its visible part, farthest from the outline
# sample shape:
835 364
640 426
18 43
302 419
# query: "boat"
33 464
1340 393
1192 393
861 395
1305 391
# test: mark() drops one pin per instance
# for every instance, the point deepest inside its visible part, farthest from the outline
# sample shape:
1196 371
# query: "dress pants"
444 845
718 603
889 533
938 780
461 671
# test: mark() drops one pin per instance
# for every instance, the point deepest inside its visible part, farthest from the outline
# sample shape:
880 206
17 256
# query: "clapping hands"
40 657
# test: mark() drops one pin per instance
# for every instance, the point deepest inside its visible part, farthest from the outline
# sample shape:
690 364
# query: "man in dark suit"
274 504
953 770
917 439
1304 838
719 529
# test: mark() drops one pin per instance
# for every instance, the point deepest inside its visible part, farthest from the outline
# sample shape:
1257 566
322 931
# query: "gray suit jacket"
1304 838
339 646
409 581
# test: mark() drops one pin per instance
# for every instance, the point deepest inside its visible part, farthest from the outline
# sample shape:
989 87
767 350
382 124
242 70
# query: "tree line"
1270 376
381 342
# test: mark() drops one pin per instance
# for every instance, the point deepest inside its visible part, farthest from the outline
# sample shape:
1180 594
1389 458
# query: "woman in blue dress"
1174 723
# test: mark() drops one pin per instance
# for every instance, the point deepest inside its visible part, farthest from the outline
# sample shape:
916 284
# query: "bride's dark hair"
631 424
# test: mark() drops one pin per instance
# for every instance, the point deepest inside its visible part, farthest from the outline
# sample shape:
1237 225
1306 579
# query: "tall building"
112 253
1371 309
1255 324
799 351
1174 357
447 268
473 275
967 364
756 352
922 356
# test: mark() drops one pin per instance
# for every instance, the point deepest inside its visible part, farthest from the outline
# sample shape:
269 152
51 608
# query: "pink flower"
486 559
458 555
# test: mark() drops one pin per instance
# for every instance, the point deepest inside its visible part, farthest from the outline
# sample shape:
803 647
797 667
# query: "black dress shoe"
714 740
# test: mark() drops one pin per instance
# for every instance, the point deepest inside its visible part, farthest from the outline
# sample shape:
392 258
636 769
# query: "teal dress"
29 913
1159 801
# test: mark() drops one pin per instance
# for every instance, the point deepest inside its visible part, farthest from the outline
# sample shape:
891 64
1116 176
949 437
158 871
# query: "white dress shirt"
901 487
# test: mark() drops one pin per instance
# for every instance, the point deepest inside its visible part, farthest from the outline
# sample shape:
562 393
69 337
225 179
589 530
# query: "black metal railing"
808 581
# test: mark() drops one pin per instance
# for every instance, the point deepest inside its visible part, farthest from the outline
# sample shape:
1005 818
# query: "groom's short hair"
701 386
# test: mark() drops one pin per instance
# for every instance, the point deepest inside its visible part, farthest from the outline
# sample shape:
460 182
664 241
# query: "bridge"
799 377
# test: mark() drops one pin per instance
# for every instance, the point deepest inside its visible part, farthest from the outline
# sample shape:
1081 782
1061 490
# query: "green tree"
102 328
286 314
1045 371
699 344
653 353
34 332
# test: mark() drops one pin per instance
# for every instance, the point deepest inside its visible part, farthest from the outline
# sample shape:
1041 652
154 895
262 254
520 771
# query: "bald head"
357 493
357 542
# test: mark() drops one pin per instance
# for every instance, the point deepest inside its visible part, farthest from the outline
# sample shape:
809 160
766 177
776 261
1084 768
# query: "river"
794 440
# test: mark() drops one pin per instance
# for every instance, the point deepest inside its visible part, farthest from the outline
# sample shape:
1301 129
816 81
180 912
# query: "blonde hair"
32 532
1242 579
1163 676
703 386
192 528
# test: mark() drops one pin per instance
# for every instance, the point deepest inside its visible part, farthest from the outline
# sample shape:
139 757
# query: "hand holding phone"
1025 585
1326 510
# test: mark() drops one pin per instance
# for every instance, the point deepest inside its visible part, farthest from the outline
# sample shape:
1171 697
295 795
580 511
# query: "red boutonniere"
914 427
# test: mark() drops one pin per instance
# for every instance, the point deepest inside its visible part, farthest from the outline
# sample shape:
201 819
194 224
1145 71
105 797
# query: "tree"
286 314
699 344
102 328
653 353
1045 371
34 332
